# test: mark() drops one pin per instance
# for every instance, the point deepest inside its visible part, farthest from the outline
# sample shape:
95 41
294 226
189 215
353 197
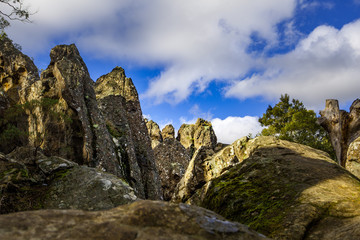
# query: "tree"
290 120
12 10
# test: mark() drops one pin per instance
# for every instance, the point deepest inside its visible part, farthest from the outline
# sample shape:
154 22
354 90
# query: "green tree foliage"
290 120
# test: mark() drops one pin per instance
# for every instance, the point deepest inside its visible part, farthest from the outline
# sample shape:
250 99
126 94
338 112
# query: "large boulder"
140 220
29 181
119 103
172 160
287 191
343 127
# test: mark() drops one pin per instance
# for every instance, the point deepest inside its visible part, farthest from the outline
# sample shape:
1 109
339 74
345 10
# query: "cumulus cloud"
323 65
194 42
232 128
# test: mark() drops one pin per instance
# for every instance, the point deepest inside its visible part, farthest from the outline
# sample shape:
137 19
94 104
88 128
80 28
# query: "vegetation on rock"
291 121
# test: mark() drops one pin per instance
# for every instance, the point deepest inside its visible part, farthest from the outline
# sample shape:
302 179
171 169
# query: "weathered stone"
154 133
287 191
172 160
17 74
194 177
343 127
29 182
67 122
140 220
193 136
204 134
119 103
206 165
86 188
168 132
353 158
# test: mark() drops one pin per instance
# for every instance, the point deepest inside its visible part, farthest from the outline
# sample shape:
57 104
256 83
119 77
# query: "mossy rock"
287 191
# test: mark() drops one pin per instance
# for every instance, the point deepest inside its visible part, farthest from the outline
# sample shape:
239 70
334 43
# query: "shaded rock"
172 160
87 189
119 103
154 133
168 132
287 191
343 127
140 220
29 182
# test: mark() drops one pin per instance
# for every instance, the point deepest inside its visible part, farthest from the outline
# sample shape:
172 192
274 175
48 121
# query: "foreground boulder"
287 191
29 182
140 220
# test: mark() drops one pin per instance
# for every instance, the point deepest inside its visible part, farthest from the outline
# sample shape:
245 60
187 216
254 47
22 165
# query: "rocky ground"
78 161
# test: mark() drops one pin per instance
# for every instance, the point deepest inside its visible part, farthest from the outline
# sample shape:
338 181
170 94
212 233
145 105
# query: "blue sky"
222 60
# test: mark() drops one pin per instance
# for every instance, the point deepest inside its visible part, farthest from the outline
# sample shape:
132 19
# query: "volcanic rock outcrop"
154 132
343 127
118 101
58 114
193 136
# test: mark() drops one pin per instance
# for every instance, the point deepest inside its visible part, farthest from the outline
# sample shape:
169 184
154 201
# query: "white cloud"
323 65
232 128
194 41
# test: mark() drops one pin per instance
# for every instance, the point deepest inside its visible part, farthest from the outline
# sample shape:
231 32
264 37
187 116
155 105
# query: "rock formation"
28 182
353 158
59 114
118 101
193 136
140 220
154 133
286 191
343 127
171 160
205 165
168 132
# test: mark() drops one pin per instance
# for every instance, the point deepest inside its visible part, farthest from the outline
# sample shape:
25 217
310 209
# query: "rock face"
140 220
30 182
119 103
154 133
59 113
171 160
343 127
204 166
168 132
193 136
287 191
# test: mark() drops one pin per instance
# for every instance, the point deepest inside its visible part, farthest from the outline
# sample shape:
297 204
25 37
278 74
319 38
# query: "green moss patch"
251 197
